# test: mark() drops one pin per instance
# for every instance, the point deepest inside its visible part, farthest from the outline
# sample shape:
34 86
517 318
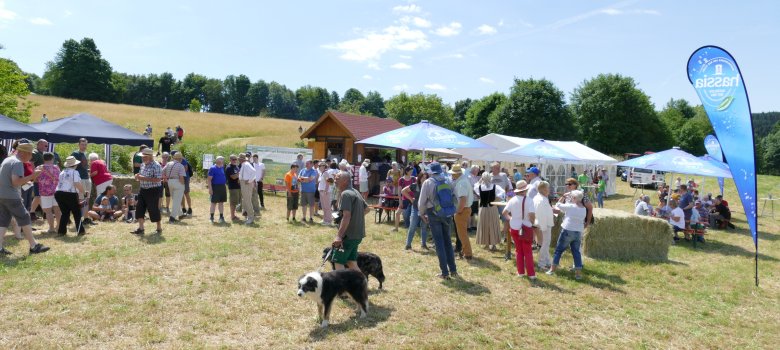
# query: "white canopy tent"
555 171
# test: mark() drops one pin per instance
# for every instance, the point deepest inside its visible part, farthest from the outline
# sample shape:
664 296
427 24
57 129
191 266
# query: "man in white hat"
150 179
246 178
11 206
464 193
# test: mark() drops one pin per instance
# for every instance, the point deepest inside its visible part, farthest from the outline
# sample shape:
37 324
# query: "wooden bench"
697 232
378 211
273 188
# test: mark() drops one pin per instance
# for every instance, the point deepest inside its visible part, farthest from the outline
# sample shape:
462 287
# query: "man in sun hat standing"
11 206
150 179
464 194
533 179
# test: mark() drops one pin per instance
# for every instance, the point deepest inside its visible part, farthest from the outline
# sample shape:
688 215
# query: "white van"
646 177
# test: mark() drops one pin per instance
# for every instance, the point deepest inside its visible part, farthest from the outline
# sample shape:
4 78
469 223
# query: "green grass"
204 286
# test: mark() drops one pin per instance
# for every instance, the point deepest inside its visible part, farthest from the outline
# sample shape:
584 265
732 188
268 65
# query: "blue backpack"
444 201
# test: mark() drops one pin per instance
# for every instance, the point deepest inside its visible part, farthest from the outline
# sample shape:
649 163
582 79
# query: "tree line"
607 112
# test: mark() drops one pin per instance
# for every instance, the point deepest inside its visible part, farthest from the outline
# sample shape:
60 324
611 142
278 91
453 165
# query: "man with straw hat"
150 179
11 206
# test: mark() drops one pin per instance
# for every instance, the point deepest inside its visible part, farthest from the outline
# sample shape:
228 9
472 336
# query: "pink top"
102 172
402 183
47 182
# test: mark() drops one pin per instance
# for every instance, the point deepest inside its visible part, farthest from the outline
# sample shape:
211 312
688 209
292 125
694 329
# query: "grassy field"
203 286
206 128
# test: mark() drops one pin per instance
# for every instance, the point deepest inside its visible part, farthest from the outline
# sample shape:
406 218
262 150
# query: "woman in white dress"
489 224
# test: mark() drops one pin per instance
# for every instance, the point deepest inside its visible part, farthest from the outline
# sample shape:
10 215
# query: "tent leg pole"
756 265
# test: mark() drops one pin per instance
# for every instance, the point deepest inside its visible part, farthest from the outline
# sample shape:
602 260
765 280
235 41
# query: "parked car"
646 177
622 173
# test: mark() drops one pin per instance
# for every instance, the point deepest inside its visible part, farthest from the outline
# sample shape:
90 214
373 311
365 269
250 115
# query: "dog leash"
325 259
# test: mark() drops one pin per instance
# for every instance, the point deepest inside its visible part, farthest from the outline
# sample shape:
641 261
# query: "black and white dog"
369 263
324 287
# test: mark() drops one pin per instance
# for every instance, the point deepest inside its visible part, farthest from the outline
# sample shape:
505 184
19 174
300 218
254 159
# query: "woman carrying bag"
69 190
520 213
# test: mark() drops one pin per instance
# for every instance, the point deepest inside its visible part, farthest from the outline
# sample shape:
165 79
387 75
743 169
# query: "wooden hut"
335 135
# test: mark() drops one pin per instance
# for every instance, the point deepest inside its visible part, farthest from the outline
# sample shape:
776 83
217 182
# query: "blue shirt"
518 177
311 186
217 175
187 168
685 200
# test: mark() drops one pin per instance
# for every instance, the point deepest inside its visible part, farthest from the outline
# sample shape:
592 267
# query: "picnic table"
379 208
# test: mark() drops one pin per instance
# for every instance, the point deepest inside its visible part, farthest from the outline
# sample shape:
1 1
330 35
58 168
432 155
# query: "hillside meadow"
201 128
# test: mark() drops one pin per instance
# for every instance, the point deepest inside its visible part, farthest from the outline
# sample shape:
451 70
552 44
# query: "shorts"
220 194
99 189
363 186
187 185
292 201
166 190
307 199
48 202
348 251
13 208
235 196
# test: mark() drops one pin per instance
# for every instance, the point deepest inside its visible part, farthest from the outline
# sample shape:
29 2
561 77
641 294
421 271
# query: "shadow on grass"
467 287
551 286
621 196
154 238
483 263
376 315
762 235
717 247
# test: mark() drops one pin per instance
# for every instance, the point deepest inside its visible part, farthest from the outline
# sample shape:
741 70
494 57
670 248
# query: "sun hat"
25 147
71 161
456 169
435 168
521 186
147 152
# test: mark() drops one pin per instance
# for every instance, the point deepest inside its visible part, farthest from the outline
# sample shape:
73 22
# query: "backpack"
444 199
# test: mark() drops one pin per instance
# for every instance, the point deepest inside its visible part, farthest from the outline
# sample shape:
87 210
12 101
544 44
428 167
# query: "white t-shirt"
363 174
532 191
515 209
574 216
247 172
642 208
322 183
68 178
678 212
260 171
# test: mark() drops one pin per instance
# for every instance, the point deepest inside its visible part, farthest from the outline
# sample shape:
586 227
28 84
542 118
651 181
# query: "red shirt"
28 168
102 175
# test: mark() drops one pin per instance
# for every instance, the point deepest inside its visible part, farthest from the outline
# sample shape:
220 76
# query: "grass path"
203 286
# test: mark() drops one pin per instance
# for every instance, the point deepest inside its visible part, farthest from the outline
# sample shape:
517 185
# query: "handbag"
526 232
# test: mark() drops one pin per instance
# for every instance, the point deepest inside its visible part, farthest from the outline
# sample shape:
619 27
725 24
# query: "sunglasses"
571 184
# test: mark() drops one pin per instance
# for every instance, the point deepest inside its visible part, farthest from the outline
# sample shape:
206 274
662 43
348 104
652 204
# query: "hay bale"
618 235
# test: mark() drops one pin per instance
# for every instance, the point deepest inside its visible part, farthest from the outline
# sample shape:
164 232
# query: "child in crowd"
128 204
105 211
388 193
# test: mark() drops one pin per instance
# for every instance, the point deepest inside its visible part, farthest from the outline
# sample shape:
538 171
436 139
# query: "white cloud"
401 87
486 30
6 14
367 77
67 13
451 29
411 8
435 86
40 21
372 45
406 57
374 66
615 12
401 66
501 23
416 21
611 11
486 80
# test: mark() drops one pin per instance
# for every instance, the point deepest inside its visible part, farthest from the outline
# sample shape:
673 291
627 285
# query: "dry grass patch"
204 286
620 235
199 127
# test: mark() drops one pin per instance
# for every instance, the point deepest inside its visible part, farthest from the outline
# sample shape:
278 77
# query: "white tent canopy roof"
503 143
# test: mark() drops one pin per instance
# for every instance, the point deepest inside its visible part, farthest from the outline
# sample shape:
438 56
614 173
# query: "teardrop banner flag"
715 76
712 146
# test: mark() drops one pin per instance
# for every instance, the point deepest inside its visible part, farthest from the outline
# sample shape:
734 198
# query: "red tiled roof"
363 126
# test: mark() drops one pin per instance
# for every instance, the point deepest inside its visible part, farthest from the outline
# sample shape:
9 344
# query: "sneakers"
408 247
311 220
425 247
444 277
221 220
171 220
39 248
189 212
138 231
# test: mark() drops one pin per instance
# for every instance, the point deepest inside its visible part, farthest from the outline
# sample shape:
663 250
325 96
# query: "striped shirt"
151 170
173 170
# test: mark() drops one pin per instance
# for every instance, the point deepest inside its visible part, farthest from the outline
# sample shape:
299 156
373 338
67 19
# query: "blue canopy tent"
13 129
423 136
677 161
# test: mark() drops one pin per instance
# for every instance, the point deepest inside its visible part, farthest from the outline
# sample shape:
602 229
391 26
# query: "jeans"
440 229
407 212
414 221
572 240
600 199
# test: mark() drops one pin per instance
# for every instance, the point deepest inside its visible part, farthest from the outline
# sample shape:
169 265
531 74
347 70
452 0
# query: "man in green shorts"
353 225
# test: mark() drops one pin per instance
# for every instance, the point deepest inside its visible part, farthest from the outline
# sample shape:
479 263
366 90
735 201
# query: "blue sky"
456 49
